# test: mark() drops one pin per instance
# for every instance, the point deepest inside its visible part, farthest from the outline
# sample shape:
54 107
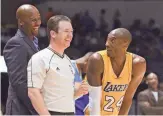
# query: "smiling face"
60 31
29 19
65 34
32 23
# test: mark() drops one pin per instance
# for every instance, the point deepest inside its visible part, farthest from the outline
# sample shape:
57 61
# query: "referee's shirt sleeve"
36 72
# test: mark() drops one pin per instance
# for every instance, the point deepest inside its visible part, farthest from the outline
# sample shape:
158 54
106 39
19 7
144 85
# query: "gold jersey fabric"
113 87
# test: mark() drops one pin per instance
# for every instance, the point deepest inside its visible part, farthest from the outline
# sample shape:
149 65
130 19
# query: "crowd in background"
88 36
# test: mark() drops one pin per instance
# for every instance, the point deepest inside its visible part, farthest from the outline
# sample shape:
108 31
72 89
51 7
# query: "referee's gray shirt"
54 75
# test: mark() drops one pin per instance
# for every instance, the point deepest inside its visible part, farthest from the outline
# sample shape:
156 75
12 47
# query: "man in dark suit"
150 100
17 53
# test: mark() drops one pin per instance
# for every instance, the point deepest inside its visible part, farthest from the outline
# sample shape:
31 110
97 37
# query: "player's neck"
119 59
57 48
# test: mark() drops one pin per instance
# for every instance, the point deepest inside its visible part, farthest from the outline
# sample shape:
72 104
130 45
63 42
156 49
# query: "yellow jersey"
113 88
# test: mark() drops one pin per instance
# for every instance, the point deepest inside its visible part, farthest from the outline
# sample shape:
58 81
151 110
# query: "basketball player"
50 73
114 75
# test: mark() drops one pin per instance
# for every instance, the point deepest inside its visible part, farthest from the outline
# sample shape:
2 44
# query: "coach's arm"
138 71
15 55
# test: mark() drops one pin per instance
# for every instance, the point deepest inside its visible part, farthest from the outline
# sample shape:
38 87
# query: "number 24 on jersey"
111 100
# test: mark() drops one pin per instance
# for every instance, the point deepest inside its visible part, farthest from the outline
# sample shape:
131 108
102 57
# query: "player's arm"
94 74
146 107
138 71
36 75
78 77
81 87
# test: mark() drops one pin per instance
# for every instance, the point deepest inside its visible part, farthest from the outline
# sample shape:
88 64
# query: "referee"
50 72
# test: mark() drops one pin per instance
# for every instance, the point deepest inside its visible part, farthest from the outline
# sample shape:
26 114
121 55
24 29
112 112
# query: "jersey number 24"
111 100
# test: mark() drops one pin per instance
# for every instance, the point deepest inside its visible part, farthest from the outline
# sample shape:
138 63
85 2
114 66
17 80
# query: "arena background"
92 20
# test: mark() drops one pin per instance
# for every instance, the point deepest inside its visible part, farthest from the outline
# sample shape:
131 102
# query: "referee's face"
65 34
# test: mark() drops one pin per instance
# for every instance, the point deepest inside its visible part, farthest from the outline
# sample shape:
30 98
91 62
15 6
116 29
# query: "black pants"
61 113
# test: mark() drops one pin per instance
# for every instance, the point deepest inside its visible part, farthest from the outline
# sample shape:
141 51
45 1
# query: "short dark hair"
53 23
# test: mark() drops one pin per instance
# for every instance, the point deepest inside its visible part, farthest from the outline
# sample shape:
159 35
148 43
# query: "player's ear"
112 39
125 44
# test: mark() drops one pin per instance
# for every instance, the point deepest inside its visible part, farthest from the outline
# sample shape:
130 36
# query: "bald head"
152 81
25 10
117 42
122 33
29 19
152 75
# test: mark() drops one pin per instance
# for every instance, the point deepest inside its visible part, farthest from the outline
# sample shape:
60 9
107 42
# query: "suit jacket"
155 108
17 53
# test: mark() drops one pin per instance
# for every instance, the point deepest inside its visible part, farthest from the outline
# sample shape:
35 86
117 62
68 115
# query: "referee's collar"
61 56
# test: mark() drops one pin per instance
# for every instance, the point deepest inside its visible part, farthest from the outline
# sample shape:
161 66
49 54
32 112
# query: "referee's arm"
36 74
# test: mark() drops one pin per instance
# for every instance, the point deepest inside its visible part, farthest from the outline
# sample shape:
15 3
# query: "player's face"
32 23
152 81
113 46
65 34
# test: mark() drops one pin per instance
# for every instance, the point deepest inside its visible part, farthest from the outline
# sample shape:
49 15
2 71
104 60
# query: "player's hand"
82 90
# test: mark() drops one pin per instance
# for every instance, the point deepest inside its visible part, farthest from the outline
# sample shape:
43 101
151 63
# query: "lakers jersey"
113 87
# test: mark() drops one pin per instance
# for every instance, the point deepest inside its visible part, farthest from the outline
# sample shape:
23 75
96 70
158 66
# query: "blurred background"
92 20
